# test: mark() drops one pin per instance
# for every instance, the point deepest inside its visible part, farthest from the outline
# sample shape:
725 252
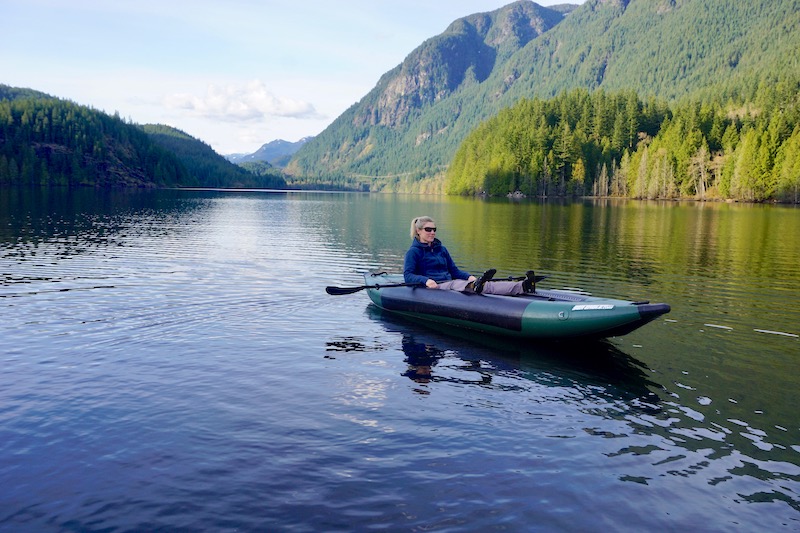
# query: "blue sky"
233 73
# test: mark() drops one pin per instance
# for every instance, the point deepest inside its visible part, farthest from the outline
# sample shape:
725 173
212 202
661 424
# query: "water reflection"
62 240
596 369
420 358
652 436
204 309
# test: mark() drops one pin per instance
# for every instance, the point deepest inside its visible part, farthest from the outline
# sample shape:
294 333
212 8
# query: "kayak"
544 314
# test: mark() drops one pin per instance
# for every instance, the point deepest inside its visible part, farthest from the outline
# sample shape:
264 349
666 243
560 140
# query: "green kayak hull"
545 314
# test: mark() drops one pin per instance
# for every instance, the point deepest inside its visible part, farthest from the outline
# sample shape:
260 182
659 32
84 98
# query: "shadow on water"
596 367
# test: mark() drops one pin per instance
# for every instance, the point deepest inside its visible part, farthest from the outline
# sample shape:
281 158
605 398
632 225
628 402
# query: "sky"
235 74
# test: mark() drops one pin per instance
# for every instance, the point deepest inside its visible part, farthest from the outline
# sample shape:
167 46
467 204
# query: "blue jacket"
425 262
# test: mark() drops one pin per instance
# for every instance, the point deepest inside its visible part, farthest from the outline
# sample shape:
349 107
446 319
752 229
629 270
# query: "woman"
428 262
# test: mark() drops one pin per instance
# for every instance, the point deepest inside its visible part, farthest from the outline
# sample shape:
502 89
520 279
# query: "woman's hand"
471 278
431 284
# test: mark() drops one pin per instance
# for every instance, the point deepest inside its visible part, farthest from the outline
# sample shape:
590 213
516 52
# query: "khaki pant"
506 288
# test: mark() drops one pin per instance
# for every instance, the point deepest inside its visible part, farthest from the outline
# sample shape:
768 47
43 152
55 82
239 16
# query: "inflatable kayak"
543 314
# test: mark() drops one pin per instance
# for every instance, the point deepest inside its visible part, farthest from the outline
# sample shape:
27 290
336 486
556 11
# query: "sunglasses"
429 229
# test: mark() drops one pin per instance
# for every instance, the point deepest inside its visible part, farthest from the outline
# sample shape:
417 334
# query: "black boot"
489 274
529 283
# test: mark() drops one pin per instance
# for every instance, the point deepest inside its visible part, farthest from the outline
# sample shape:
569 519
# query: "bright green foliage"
612 144
552 147
787 169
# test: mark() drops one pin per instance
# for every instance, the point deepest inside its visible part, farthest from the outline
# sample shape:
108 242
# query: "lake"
171 361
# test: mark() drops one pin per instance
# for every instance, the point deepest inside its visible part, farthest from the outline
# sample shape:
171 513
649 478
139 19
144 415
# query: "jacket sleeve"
410 267
453 269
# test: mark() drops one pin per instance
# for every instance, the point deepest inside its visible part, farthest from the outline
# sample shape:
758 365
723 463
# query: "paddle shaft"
537 278
339 291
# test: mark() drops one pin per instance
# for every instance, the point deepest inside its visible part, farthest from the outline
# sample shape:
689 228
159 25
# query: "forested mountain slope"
412 118
677 50
49 141
208 167
667 48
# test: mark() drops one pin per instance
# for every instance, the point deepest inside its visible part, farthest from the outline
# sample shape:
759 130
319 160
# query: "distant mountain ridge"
205 165
409 126
276 153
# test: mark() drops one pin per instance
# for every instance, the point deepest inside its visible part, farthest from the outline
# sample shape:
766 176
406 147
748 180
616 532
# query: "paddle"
537 278
339 291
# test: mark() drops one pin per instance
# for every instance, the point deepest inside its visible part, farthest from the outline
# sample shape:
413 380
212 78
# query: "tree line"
616 144
46 141
210 169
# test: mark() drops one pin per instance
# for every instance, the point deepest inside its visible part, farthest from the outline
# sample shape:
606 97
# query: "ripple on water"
179 366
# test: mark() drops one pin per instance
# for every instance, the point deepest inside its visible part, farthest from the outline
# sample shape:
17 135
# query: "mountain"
47 141
276 153
205 165
410 125
412 121
8 93
671 49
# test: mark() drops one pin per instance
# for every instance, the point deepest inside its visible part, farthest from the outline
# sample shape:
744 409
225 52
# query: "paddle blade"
339 291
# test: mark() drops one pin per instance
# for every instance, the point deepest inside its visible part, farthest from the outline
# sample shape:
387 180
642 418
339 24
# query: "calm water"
170 360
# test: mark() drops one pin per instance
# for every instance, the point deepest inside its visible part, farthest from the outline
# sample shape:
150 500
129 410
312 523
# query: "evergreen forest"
47 141
208 167
615 144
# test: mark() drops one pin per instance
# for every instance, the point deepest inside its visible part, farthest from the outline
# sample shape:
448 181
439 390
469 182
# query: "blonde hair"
419 223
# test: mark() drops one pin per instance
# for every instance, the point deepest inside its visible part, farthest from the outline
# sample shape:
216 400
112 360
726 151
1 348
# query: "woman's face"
427 233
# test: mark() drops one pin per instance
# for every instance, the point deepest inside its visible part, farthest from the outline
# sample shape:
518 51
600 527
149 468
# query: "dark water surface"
170 360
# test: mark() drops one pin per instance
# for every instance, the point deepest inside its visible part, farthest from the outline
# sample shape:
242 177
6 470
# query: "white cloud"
242 103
